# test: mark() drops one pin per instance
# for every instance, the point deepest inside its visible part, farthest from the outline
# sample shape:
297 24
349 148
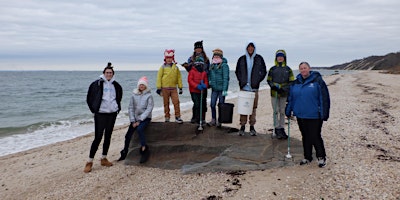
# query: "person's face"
108 74
280 59
304 70
198 50
250 49
168 60
142 87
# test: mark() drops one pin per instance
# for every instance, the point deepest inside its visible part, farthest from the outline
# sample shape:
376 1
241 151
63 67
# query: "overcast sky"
133 34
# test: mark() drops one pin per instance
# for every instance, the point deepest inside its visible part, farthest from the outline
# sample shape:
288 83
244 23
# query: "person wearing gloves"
140 108
218 80
310 102
250 72
198 84
279 79
168 78
104 100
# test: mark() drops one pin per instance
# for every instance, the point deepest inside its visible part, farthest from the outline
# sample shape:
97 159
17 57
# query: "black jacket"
258 72
95 95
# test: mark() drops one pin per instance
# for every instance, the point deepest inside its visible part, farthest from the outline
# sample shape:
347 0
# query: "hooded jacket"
169 76
219 76
309 98
258 70
141 105
95 99
195 77
280 75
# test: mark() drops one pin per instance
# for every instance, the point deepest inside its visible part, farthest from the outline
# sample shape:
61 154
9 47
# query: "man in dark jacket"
250 72
104 100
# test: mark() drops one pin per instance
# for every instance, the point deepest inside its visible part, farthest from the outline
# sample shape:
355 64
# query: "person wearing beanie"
280 76
140 108
104 100
198 53
168 79
198 84
218 80
250 72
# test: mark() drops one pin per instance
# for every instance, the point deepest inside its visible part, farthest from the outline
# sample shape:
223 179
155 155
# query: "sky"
133 34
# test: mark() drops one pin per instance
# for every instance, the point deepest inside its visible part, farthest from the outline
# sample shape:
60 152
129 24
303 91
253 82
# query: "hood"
104 78
284 53
255 48
313 75
136 91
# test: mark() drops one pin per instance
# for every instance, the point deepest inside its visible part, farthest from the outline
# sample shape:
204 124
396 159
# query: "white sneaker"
321 162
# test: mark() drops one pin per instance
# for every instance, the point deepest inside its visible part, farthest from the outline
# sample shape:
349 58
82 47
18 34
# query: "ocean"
44 107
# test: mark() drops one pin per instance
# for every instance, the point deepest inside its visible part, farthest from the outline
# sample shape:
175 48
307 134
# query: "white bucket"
245 102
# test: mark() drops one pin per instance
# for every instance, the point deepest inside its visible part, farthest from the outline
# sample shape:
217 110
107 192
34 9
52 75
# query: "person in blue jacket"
309 101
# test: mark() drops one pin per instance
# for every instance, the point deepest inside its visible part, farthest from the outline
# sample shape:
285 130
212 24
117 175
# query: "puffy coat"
169 77
141 105
309 98
219 76
194 79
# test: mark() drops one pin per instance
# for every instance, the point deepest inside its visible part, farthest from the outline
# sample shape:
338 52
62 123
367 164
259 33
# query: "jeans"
214 96
140 130
103 124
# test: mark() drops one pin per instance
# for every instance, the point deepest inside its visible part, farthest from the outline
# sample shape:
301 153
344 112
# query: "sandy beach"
361 139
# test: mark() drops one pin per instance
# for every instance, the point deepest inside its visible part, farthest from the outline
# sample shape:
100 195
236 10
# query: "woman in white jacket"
140 108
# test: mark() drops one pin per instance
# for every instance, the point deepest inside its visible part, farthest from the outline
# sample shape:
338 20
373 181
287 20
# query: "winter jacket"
194 79
141 105
191 62
309 98
95 94
169 77
280 76
258 72
219 76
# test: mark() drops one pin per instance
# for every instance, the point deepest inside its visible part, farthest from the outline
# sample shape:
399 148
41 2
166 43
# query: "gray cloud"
80 34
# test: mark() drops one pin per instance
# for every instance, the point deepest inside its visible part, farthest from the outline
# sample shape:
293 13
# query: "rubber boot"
144 154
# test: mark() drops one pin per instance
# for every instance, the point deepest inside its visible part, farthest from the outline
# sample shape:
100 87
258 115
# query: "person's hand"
204 86
199 86
277 86
135 124
180 91
159 92
224 93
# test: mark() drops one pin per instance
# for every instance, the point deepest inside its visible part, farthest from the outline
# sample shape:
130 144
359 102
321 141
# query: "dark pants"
140 130
197 100
103 124
311 135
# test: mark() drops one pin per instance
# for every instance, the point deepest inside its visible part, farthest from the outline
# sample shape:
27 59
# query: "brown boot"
105 162
88 167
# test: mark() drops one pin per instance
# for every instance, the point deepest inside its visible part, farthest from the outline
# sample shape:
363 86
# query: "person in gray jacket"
140 108
250 72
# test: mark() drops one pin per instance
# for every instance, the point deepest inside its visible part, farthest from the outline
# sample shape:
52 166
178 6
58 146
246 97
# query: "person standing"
191 62
310 102
279 78
218 80
198 84
168 78
104 100
250 72
140 108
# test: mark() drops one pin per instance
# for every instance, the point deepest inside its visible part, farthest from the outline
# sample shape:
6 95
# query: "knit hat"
198 44
169 53
280 53
218 52
143 80
199 60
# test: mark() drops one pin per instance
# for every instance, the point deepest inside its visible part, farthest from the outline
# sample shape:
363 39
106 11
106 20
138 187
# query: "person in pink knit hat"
140 109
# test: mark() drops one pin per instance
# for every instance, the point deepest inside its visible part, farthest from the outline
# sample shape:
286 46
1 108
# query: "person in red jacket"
198 84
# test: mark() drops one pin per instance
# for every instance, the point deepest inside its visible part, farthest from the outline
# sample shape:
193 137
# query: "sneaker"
167 119
283 134
178 120
88 167
304 162
241 131
105 162
212 123
321 162
253 132
193 121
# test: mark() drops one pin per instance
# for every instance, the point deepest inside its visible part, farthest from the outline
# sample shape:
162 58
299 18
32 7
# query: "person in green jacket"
218 80
168 78
279 79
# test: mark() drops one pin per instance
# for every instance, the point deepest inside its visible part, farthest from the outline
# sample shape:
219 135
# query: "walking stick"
201 112
288 148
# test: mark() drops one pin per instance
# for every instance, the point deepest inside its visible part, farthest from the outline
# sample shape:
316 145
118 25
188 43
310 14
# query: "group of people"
306 97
